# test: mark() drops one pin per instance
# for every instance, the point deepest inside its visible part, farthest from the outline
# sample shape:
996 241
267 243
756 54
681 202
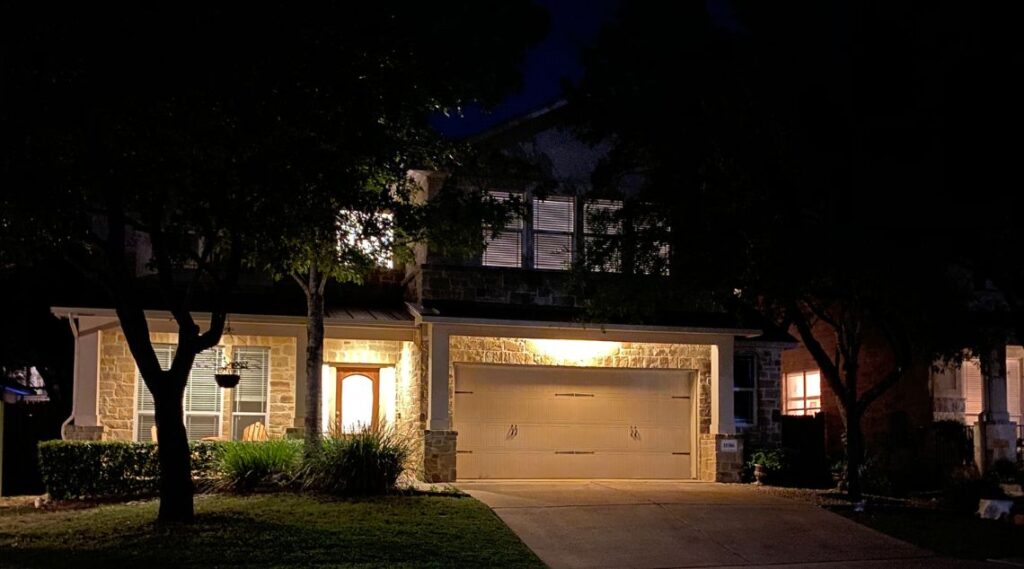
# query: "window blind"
505 249
250 395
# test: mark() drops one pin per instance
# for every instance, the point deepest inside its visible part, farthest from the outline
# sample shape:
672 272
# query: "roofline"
64 312
516 121
561 325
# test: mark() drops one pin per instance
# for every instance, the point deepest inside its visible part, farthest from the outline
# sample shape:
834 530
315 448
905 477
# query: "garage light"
580 351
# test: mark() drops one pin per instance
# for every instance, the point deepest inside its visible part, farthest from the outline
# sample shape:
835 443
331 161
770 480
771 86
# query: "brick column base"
83 433
717 465
994 442
439 456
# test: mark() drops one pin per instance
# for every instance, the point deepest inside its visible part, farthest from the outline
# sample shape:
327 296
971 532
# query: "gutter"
235 318
74 378
555 325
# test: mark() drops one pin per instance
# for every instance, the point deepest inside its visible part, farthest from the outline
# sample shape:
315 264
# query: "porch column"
720 451
721 387
87 391
438 419
301 344
994 435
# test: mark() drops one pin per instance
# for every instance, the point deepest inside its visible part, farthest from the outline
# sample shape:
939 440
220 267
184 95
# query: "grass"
268 530
946 533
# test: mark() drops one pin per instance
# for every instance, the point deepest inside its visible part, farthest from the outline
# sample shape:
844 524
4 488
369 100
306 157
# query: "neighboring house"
902 416
489 364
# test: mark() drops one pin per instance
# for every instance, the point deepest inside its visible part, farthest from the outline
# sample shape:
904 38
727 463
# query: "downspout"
74 379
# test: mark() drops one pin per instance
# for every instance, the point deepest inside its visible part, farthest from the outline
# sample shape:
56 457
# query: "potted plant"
227 376
766 463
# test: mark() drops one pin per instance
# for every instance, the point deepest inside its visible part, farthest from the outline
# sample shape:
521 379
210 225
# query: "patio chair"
152 433
255 432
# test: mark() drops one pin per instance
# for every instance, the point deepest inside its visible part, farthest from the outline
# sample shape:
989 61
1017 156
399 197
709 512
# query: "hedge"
105 469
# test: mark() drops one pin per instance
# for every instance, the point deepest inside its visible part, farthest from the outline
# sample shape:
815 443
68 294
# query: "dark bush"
367 462
106 469
251 465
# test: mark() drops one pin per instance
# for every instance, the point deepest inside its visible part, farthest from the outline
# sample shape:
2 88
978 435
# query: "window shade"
250 395
552 251
601 217
202 393
554 214
143 398
972 390
503 250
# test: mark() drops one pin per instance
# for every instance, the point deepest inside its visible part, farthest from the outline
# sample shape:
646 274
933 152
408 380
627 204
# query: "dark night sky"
574 24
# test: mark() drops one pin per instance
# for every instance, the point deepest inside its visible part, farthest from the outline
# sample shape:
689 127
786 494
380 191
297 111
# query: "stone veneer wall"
117 382
362 351
410 407
768 430
715 465
497 285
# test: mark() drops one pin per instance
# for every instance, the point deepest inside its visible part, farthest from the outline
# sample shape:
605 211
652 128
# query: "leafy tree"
790 159
196 128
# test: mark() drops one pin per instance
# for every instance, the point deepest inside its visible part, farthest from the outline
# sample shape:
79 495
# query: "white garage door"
564 422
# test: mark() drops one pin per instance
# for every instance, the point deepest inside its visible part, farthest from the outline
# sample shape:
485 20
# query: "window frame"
516 227
804 411
236 433
538 232
138 412
754 404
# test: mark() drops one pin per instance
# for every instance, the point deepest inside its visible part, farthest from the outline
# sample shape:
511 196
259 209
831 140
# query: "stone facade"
716 465
767 431
343 351
411 400
496 285
83 433
439 456
118 384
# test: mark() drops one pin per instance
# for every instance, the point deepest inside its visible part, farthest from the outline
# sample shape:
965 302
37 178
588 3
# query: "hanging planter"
228 375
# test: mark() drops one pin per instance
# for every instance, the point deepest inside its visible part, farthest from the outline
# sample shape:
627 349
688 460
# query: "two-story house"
492 365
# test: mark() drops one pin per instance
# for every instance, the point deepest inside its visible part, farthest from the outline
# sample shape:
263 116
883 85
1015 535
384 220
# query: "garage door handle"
513 431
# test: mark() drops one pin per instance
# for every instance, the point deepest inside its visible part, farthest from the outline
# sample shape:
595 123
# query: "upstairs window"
602 234
504 248
367 236
554 221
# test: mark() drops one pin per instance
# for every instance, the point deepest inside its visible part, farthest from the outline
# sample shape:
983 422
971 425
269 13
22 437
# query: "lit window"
249 397
803 393
602 229
505 248
553 225
202 401
367 236
745 390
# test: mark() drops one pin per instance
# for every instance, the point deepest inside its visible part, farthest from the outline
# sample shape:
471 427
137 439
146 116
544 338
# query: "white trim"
562 325
269 319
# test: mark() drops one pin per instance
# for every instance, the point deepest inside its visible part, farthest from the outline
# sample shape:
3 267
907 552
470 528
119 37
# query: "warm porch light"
581 351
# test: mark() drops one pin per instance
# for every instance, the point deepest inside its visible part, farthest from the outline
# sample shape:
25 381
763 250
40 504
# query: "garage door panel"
560 422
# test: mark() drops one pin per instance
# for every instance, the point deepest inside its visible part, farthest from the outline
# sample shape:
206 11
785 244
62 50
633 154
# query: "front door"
357 404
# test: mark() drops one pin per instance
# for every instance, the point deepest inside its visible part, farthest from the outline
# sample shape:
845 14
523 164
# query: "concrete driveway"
685 524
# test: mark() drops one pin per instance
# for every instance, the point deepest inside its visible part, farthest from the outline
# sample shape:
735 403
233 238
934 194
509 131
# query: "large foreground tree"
797 161
154 146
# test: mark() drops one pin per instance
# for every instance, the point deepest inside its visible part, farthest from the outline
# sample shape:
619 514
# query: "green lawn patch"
268 530
947 533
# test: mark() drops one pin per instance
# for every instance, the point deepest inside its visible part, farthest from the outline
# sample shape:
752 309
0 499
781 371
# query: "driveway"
686 524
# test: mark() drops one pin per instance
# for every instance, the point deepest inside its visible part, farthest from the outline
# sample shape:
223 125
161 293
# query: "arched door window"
357 400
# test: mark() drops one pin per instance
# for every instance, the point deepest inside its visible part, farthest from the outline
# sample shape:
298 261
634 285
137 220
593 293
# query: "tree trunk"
314 359
176 488
854 455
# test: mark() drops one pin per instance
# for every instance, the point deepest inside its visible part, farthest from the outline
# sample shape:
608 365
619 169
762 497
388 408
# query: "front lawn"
946 533
270 530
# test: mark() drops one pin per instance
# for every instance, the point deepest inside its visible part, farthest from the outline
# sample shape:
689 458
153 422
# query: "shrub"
251 465
106 469
366 462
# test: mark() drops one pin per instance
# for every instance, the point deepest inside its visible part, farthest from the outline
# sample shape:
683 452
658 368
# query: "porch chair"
152 433
255 432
